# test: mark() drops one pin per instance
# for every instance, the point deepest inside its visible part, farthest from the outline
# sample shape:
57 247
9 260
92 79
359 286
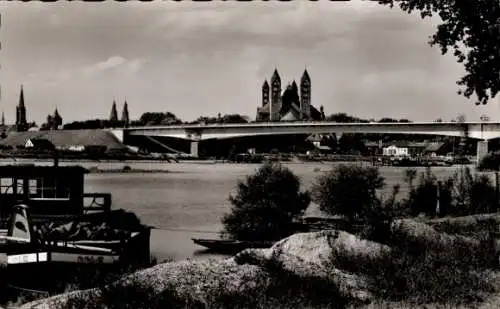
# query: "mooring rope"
47 294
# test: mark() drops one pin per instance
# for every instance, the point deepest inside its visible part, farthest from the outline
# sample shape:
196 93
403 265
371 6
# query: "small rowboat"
230 246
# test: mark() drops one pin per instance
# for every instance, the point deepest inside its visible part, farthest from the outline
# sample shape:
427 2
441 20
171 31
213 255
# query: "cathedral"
289 105
113 116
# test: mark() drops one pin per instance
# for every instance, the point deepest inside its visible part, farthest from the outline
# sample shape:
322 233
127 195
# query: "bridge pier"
482 150
194 148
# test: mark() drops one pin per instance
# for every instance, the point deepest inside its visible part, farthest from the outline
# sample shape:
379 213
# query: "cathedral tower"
305 95
265 93
275 96
21 123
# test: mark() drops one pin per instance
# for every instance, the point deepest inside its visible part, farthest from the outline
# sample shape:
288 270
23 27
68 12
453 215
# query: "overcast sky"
201 59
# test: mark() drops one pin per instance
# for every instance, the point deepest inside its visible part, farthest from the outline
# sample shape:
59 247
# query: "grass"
274 287
422 270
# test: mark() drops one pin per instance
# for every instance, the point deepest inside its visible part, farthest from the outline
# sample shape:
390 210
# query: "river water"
190 199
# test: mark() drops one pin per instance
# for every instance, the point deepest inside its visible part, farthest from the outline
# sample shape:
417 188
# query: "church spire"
125 114
113 116
21 123
21 97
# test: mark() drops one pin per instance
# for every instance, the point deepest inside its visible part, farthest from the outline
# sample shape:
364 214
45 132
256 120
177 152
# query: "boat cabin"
47 190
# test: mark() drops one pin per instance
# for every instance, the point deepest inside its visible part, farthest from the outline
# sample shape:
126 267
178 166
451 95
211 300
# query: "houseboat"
46 217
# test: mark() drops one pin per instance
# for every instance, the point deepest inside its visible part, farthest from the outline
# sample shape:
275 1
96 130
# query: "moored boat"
43 211
230 246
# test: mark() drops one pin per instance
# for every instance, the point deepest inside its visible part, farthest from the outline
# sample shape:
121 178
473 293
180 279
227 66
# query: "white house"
76 148
395 151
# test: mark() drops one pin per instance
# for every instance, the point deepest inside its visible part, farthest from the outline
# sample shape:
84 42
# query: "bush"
266 205
419 271
473 193
348 190
461 194
423 197
490 162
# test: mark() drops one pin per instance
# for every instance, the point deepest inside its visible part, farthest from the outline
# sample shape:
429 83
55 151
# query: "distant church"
21 122
113 116
289 105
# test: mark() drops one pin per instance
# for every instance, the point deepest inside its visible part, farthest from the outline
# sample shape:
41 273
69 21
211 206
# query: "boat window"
48 189
20 186
32 185
6 185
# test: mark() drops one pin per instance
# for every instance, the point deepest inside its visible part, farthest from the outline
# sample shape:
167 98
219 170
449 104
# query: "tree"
348 190
266 205
472 30
156 118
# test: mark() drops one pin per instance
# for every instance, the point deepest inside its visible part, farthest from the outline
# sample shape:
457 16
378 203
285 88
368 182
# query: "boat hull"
230 246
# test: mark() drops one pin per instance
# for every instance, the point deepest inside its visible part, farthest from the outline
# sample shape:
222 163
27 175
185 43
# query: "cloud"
134 66
108 64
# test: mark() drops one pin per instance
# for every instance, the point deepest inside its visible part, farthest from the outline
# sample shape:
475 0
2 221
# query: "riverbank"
125 169
328 269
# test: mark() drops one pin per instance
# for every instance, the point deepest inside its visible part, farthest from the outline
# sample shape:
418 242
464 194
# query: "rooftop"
66 138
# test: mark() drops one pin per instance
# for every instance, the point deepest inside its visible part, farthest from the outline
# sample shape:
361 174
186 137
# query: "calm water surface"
190 200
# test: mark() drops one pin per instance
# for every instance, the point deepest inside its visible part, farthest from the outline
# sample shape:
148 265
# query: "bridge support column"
194 148
482 150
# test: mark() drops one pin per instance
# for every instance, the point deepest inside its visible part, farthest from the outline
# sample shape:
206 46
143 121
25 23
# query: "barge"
47 218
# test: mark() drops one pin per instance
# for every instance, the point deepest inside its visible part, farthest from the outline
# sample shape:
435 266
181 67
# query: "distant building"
394 151
318 140
54 122
39 144
21 122
438 149
406 148
72 140
289 105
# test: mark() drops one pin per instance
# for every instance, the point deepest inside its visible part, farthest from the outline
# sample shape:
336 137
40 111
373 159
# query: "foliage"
461 194
377 219
490 162
423 197
348 190
473 194
265 205
472 30
420 271
229 118
157 118
90 124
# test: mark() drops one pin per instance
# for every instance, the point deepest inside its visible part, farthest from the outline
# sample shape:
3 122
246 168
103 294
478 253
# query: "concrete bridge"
482 131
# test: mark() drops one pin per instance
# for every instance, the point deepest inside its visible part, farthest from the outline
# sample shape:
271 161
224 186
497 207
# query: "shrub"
378 218
265 205
473 193
490 162
348 190
419 272
461 194
423 197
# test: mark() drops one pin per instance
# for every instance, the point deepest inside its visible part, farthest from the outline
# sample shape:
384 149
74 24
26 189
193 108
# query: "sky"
201 59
